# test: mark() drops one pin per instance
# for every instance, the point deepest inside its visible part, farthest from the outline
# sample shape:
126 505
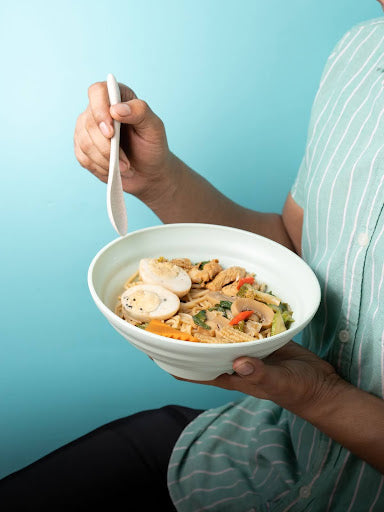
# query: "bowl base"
190 374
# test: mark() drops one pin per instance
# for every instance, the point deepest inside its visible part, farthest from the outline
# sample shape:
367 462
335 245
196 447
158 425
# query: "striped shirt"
252 455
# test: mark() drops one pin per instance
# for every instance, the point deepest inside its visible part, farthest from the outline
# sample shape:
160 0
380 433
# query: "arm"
212 207
355 419
152 173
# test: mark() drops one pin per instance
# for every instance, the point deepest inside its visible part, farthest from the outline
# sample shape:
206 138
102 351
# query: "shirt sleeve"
298 190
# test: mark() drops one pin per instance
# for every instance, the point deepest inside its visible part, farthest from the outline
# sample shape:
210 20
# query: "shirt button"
305 492
344 336
363 239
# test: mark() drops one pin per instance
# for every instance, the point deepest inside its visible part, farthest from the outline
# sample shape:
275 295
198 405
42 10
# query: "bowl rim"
125 326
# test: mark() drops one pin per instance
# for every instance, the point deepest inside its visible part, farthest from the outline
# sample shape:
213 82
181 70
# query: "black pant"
119 466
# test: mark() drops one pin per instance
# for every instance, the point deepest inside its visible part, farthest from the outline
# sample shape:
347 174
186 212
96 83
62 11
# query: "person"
308 434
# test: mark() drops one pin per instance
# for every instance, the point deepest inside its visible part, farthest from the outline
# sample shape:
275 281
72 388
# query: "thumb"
249 367
138 114
256 372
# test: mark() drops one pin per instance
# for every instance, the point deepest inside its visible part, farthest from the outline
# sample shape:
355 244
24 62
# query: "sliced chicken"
207 273
227 276
184 263
230 290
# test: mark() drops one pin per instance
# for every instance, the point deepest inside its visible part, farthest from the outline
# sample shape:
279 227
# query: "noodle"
209 316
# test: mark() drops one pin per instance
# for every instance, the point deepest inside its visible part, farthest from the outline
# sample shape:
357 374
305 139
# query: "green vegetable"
200 319
246 291
285 311
142 326
240 326
278 324
267 298
287 317
202 264
222 307
283 306
287 308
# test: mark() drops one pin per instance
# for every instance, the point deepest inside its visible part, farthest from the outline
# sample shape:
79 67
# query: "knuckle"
88 123
75 136
79 122
127 93
159 123
101 171
143 107
83 160
85 144
94 88
98 115
105 150
82 116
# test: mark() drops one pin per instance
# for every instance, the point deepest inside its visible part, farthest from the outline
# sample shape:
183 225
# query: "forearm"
354 419
188 197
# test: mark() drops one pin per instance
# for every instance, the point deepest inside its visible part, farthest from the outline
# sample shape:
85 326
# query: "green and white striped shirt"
252 455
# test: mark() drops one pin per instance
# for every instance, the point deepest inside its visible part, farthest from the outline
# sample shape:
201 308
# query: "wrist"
161 187
328 401
353 418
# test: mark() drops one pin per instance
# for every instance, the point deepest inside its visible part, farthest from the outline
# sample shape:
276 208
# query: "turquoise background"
233 82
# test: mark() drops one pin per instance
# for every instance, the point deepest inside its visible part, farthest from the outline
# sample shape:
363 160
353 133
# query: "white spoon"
115 196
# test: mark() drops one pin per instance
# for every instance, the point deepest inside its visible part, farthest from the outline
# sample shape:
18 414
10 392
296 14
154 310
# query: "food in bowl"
286 274
201 302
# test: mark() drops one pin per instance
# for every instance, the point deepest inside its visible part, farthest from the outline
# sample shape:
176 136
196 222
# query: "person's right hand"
144 152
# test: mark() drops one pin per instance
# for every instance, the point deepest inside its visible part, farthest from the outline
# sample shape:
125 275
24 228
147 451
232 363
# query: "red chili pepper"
243 280
243 315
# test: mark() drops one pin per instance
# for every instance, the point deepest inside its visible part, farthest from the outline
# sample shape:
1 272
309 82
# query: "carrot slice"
243 315
162 329
244 280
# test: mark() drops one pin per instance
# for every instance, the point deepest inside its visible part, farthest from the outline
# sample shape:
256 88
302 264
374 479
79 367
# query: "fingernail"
245 369
122 109
105 129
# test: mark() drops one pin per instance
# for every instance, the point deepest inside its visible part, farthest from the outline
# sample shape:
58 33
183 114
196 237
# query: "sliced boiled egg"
146 302
165 273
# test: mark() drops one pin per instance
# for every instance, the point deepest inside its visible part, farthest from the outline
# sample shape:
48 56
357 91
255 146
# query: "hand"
144 154
293 377
299 381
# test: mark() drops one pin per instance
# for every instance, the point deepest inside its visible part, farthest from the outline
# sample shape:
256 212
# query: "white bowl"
286 275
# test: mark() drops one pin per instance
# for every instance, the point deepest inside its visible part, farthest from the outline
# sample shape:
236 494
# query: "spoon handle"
115 194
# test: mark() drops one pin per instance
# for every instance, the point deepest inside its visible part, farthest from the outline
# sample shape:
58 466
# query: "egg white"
146 302
165 273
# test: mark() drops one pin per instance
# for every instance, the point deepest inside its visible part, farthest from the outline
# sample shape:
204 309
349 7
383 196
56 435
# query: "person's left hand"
293 377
